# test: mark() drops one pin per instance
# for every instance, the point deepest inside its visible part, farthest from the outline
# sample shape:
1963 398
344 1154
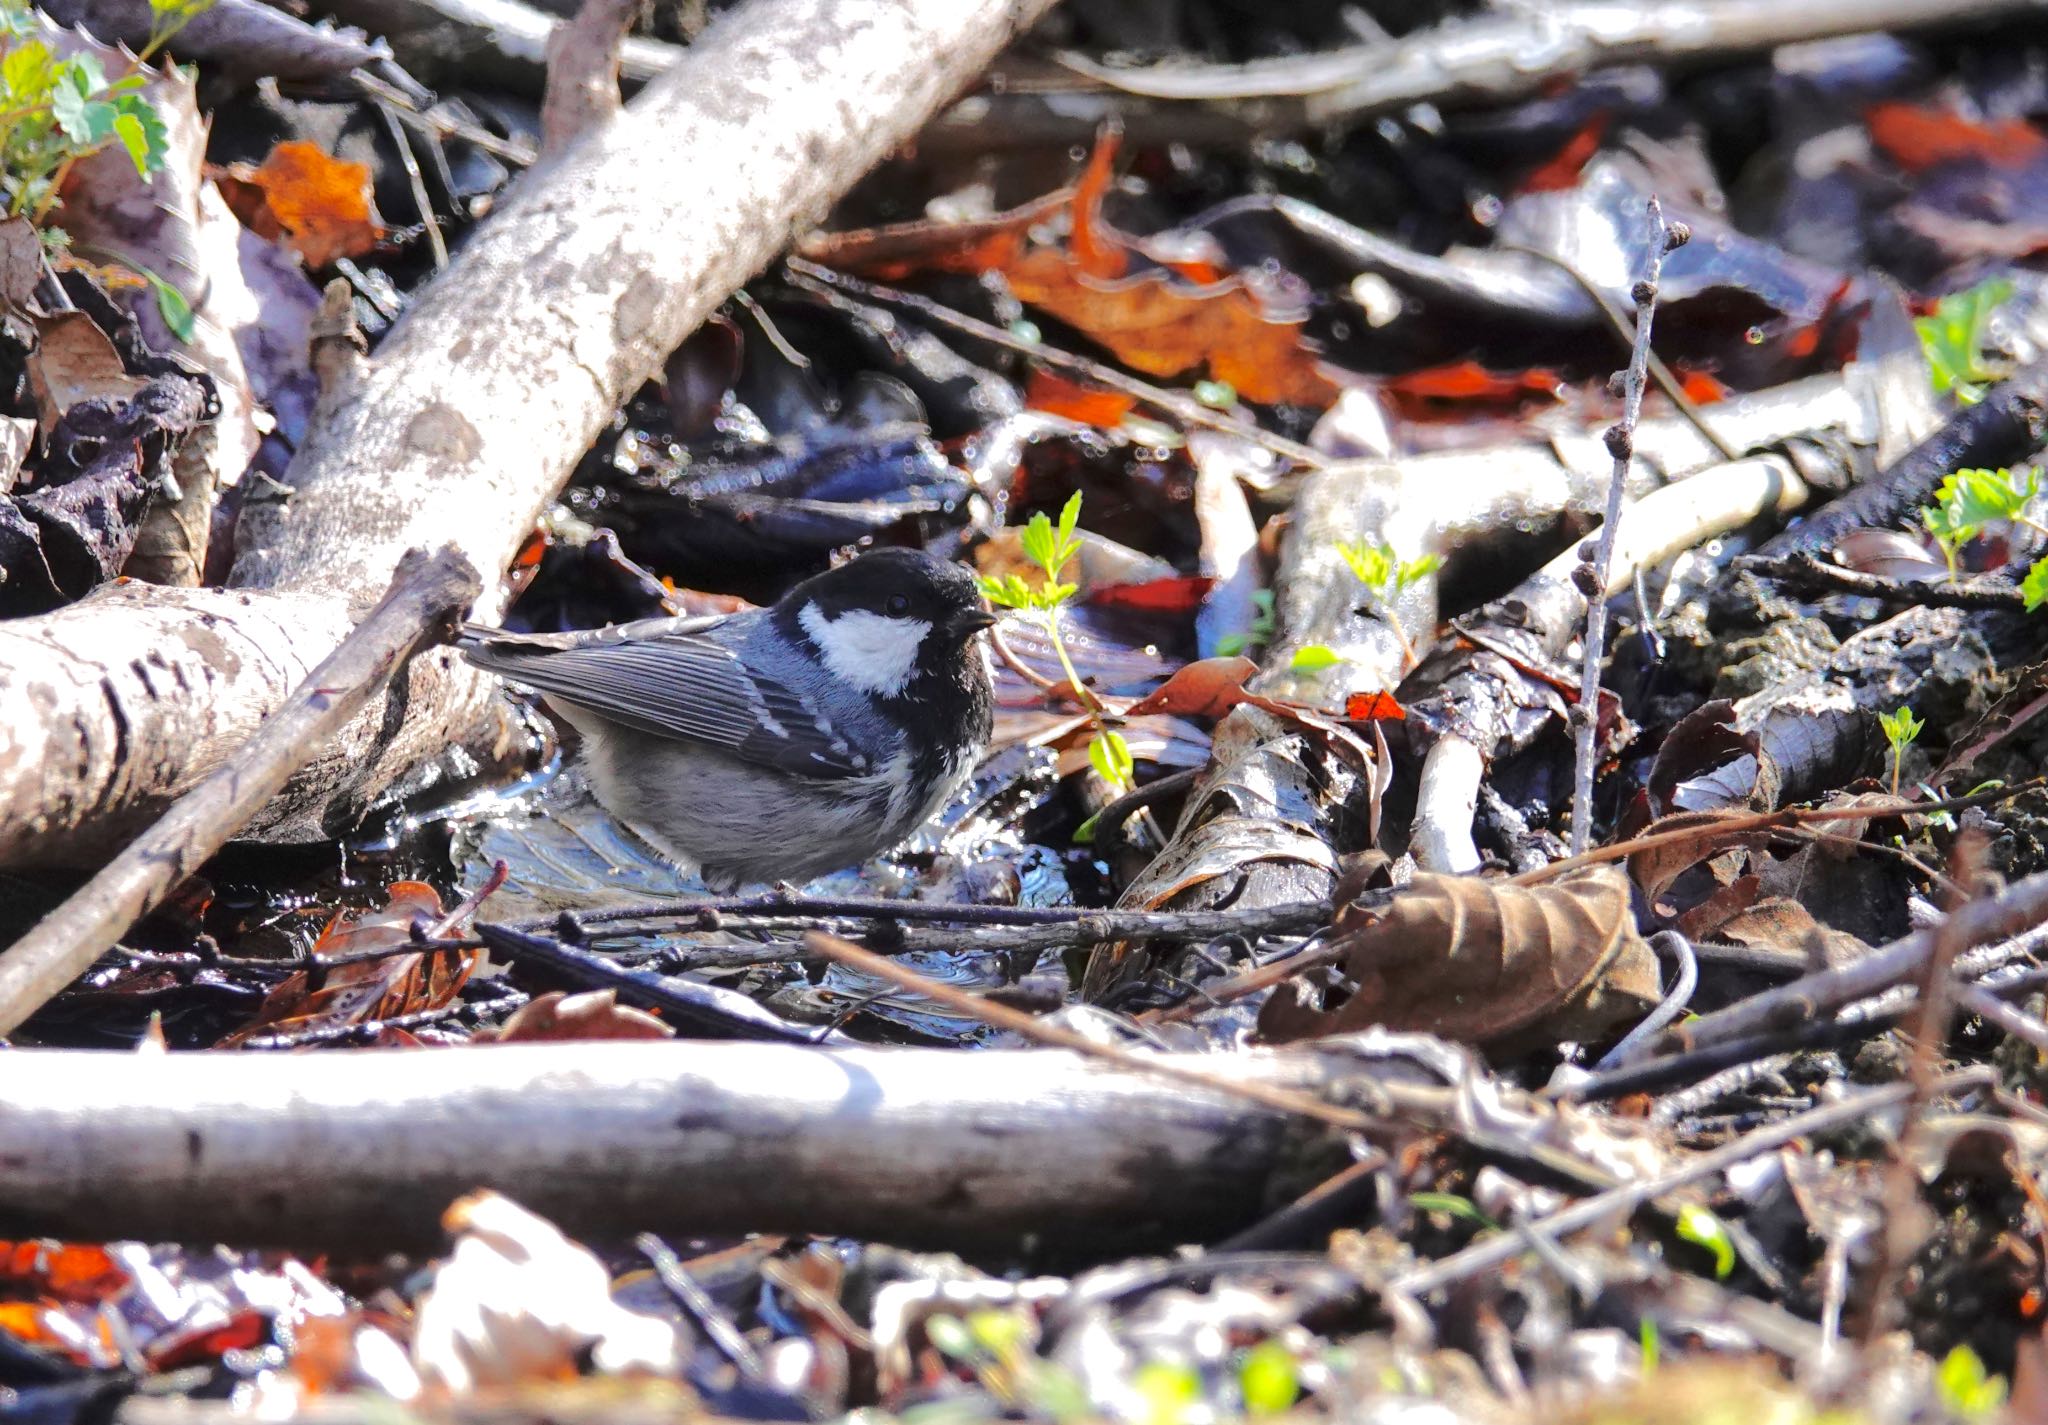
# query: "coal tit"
779 743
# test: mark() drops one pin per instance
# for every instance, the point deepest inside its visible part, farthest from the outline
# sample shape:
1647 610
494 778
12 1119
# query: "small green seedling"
1051 546
1968 1390
1388 576
1268 1379
1702 1228
1953 338
1901 730
1971 501
1650 1341
1263 623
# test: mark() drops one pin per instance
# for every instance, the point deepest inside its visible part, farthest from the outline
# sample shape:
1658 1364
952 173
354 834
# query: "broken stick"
427 594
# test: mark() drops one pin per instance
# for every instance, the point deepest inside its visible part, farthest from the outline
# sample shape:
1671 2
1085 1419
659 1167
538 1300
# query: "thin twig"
1495 1251
427 593
1016 1022
1901 1193
1804 568
1593 582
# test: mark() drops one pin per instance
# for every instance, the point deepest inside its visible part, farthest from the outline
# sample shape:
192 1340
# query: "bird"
780 743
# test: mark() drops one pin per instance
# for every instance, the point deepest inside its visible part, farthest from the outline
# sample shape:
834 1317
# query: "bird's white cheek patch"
874 652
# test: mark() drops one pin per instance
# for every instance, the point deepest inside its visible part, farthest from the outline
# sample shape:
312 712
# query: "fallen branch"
464 423
1513 53
427 595
1805 569
2018 907
365 1150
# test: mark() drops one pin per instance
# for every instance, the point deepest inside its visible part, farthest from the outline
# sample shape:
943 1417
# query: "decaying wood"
428 595
366 1150
583 72
465 422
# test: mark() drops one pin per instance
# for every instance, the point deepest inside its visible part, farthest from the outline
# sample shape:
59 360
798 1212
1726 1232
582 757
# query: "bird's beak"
973 621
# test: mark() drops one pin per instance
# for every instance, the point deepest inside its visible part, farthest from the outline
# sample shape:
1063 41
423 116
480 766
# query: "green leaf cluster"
1968 1390
1049 546
1901 728
1264 621
1953 337
56 109
1383 571
1969 501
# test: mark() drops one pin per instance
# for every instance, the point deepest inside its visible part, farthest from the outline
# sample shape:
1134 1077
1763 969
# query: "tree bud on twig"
1644 293
1621 442
1677 236
1586 579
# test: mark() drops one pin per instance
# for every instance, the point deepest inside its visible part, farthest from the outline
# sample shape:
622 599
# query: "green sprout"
1970 501
1388 576
1901 730
1703 1229
1650 1341
1953 338
56 109
1050 546
1968 1390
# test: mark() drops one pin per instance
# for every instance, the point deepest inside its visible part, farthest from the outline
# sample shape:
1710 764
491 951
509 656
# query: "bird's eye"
898 605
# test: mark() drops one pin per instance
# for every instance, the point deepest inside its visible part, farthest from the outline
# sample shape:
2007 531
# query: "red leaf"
1373 707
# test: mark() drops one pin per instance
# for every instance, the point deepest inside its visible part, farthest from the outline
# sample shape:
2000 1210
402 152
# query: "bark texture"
466 421
365 1150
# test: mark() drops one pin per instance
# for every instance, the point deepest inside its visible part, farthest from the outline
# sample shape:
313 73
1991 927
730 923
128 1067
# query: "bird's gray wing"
666 677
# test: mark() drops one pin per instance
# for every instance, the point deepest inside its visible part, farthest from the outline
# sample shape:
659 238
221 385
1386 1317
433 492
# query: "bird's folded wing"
677 684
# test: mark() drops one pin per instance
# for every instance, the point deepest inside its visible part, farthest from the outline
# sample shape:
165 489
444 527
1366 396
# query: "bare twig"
1803 568
1017 1022
2020 906
1901 1179
426 595
1621 442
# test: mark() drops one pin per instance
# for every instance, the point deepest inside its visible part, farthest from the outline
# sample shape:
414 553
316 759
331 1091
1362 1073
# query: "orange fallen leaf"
318 205
403 982
1919 136
1054 394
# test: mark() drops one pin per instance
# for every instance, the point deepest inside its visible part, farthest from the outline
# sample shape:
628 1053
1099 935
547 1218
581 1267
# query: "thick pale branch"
365 1150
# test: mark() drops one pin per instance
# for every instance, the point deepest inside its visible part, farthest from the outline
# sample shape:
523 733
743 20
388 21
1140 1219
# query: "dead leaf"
1483 962
517 1302
21 262
1694 836
319 205
75 361
594 1014
365 990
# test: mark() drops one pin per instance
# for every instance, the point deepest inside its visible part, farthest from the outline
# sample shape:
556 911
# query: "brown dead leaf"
594 1014
21 262
366 990
1181 316
74 361
1483 962
1683 840
319 205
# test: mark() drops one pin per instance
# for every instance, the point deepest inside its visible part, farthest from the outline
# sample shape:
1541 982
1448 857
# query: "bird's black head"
894 623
